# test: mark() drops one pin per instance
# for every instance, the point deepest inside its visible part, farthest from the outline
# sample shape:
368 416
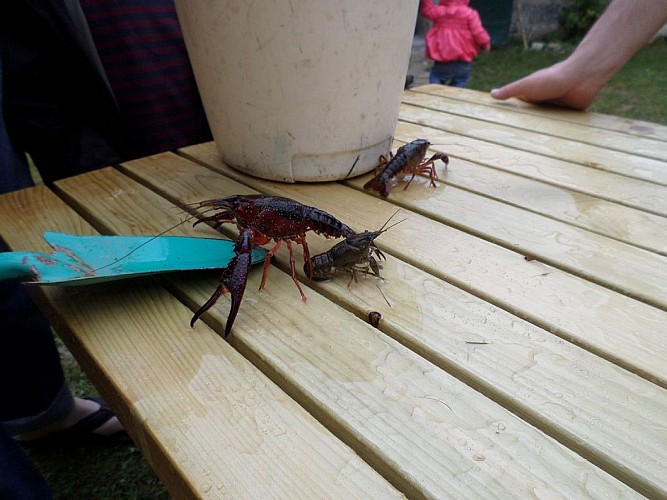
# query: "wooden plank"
593 257
637 167
209 422
607 139
433 435
598 120
561 389
621 329
623 223
634 193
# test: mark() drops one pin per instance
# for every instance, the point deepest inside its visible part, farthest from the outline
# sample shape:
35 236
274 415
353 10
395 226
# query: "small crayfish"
353 254
260 219
409 159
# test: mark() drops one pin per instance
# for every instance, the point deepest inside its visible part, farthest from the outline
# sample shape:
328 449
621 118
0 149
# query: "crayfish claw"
209 303
235 278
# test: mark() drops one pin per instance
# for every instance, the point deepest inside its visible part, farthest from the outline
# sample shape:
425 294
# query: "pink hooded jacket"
457 33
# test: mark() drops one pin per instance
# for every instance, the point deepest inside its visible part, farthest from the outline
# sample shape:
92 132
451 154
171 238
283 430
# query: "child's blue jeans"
453 73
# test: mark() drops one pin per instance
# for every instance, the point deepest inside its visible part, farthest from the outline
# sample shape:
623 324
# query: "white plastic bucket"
300 90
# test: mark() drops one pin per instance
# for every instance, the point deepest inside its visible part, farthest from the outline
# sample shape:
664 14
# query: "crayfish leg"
217 219
437 156
306 257
375 267
411 179
292 268
267 262
428 167
353 277
382 162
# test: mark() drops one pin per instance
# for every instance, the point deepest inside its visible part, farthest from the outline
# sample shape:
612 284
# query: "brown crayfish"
409 159
353 254
260 219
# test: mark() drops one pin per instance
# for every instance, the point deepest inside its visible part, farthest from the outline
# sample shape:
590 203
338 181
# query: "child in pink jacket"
454 40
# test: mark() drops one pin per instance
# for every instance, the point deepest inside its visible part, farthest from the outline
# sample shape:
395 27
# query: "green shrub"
578 16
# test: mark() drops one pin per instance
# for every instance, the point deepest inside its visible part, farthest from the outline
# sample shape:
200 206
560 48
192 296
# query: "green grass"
638 91
95 472
98 473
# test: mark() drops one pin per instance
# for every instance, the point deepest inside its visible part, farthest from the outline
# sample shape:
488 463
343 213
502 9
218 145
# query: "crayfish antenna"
384 227
161 233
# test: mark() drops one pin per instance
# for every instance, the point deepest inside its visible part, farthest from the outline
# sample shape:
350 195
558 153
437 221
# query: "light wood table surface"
522 350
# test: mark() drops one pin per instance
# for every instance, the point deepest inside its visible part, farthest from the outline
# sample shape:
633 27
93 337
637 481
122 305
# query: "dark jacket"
57 102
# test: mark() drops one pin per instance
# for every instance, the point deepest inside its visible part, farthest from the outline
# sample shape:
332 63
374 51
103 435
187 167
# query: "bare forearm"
621 31
624 28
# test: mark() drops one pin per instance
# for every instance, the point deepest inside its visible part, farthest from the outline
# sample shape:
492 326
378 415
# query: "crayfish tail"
378 183
323 223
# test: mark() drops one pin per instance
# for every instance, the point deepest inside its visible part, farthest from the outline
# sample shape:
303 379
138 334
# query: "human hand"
553 85
605 49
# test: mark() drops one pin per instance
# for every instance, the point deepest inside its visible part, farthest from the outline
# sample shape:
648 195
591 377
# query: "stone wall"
538 17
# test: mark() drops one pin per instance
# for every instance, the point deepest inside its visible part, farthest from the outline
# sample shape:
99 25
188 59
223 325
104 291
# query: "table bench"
522 348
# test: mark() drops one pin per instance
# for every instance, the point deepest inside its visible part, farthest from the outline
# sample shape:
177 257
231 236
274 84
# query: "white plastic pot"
300 90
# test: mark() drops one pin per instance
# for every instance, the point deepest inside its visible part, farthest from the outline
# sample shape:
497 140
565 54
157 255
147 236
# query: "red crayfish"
353 254
260 219
409 159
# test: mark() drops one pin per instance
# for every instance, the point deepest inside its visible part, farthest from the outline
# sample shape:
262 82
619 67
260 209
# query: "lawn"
638 92
95 473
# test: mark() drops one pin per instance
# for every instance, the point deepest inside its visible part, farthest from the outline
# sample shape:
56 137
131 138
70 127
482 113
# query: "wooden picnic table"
522 350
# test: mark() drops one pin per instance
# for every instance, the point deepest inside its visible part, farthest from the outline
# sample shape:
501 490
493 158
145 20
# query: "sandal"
82 432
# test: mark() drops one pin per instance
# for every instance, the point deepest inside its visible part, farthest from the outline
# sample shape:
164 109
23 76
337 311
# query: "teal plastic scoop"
79 260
